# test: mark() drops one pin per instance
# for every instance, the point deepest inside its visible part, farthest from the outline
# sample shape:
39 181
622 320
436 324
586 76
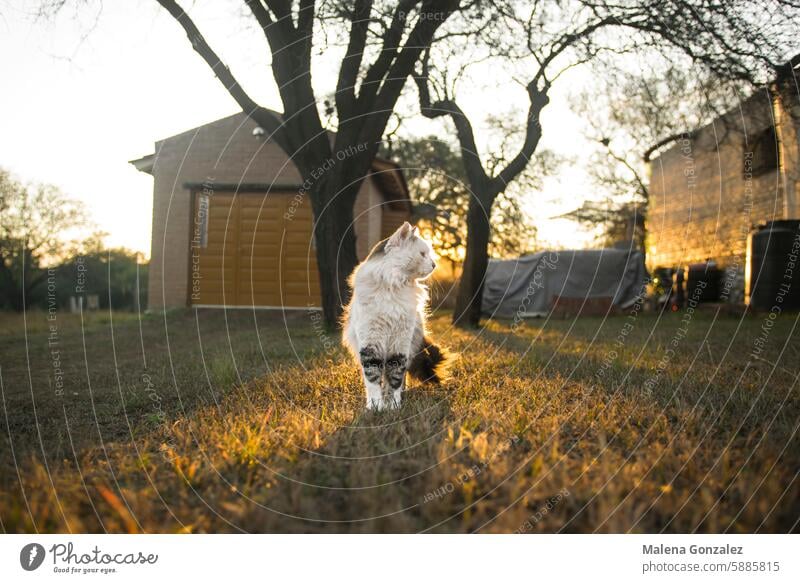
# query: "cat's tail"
431 364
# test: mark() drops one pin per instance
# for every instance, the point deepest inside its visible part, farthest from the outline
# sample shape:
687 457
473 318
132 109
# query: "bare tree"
438 185
620 223
724 39
632 111
384 42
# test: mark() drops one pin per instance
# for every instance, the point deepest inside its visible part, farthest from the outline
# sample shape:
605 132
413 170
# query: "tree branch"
466 136
419 41
348 72
262 116
569 39
291 68
533 133
631 169
389 50
663 142
305 15
283 10
260 13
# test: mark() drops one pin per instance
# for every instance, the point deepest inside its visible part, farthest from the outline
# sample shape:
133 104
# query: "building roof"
144 164
387 175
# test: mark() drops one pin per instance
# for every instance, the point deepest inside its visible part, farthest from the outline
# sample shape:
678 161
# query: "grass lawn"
210 421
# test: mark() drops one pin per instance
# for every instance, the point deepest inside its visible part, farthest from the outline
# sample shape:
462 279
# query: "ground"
211 421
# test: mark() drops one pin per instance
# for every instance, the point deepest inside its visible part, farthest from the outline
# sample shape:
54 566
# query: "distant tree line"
115 276
46 258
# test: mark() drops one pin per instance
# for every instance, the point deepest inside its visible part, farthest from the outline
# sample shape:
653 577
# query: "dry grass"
557 426
34 321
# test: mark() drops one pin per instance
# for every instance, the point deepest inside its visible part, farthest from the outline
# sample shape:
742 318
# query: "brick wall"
787 120
704 198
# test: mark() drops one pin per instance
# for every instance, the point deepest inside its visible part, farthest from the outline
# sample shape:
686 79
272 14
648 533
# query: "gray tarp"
526 286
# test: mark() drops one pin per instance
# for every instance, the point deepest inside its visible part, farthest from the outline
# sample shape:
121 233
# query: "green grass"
207 421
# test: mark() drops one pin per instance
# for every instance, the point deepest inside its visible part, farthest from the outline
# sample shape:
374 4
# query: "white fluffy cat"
384 325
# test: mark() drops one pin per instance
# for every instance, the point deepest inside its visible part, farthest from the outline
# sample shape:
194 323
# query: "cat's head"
408 253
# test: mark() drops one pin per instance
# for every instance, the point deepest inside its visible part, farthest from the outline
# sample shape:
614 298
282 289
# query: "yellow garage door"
253 249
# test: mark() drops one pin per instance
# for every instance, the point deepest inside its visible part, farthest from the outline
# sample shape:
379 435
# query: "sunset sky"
88 91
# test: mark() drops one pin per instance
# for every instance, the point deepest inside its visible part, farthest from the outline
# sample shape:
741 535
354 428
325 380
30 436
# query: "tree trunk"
335 243
467 312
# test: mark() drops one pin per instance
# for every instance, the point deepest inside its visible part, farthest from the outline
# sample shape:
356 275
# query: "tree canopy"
35 222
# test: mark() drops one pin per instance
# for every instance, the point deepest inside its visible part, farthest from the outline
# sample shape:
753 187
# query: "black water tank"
702 282
773 259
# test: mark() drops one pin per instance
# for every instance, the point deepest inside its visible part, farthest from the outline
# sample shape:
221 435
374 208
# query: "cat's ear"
401 235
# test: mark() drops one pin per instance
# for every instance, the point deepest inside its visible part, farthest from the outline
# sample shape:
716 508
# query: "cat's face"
410 253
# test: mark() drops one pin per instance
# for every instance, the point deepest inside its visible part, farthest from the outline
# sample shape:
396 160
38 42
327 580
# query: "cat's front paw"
380 404
375 404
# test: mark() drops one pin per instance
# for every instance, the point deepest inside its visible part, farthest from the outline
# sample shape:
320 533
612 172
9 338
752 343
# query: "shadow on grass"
369 476
525 418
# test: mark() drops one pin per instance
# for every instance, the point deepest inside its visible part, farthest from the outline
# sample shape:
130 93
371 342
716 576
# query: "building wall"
787 120
705 197
367 216
392 220
223 151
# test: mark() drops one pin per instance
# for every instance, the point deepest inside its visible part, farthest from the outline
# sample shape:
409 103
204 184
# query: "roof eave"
144 164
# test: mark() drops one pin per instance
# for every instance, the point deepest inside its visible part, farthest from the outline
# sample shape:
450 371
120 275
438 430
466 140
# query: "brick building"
711 187
231 223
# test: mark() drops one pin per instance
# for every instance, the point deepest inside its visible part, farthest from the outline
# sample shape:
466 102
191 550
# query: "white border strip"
447 558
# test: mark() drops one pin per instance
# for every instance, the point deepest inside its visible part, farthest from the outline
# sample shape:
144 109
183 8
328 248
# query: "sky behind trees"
96 87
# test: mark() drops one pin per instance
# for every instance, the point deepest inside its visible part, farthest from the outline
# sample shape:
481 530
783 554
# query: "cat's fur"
384 326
